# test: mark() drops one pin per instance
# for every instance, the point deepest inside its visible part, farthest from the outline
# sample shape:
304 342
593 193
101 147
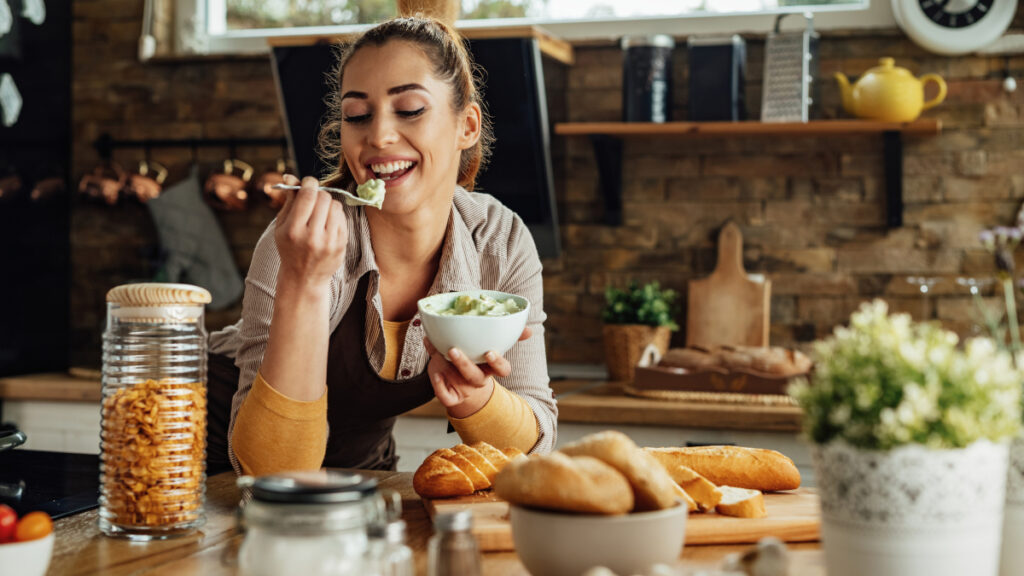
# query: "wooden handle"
730 252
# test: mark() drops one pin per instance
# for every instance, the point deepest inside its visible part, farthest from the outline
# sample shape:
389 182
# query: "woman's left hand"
463 387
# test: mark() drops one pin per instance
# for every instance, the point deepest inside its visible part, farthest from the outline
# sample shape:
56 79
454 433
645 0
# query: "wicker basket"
624 343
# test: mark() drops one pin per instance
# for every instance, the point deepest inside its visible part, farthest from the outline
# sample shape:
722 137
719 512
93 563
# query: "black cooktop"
57 483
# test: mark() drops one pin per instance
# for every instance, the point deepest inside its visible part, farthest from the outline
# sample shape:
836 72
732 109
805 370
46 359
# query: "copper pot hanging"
104 183
226 190
266 182
148 182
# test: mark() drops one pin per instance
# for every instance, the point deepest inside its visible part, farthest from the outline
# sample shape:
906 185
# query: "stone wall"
811 208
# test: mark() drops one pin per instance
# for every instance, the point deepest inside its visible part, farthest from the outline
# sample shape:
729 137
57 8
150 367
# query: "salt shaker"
307 523
388 554
453 550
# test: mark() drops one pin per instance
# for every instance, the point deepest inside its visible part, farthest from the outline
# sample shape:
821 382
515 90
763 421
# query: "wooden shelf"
607 137
925 127
550 45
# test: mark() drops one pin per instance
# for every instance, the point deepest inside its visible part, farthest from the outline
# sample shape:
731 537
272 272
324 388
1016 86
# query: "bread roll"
479 460
753 468
652 486
492 454
512 453
440 478
477 477
705 494
741 503
458 471
558 482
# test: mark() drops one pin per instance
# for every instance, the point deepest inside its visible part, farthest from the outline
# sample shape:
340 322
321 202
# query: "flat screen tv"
519 173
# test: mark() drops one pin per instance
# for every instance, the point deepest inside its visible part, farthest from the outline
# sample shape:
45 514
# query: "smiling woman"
330 348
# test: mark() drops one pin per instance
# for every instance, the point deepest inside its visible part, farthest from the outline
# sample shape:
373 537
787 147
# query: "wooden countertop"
80 549
580 401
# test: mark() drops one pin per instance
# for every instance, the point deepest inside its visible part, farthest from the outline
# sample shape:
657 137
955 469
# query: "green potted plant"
634 318
911 435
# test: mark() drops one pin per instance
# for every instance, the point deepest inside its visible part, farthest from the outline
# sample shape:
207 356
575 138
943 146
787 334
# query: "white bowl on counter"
30 558
563 544
473 335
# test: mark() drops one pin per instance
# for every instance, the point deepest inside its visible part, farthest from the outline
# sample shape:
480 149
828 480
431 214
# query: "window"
250 14
223 26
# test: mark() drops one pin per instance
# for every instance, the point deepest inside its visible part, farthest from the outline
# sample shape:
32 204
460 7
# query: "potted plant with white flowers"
910 433
1001 242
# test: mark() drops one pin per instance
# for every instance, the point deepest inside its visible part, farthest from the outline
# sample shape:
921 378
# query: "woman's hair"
452 63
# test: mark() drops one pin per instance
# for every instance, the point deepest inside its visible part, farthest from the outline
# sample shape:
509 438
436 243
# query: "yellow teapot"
889 93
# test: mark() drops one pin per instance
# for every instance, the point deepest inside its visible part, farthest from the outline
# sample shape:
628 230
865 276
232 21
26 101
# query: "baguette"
691 504
753 468
559 482
652 486
705 494
458 471
741 503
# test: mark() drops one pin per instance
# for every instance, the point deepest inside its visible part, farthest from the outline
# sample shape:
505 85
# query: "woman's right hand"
311 234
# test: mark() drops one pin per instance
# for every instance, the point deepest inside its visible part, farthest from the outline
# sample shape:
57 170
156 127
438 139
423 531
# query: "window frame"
877 14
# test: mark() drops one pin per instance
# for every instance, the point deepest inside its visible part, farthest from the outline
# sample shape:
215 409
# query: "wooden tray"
792 517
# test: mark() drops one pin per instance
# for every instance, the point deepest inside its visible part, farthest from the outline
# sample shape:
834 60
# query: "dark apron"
361 406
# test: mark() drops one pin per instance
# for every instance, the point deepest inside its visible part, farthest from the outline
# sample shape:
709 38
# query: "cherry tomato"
33 526
8 520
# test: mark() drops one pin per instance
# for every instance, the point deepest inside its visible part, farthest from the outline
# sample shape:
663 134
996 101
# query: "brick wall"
811 209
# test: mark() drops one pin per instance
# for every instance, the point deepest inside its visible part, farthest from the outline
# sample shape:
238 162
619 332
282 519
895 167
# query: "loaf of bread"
570 484
653 488
776 361
459 471
752 468
741 503
704 494
690 358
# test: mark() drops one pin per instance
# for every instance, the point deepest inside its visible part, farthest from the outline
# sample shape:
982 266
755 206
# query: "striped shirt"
486 246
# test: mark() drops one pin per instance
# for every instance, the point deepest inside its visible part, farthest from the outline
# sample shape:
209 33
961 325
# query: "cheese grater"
790 70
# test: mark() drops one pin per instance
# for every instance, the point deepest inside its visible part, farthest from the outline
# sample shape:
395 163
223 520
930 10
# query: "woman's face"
398 125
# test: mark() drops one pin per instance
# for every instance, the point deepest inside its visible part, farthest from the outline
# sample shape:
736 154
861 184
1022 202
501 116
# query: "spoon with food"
369 193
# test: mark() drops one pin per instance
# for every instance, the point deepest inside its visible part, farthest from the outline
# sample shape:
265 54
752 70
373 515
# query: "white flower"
885 381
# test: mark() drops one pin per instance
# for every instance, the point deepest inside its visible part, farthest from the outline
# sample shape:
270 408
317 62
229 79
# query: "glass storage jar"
153 432
308 523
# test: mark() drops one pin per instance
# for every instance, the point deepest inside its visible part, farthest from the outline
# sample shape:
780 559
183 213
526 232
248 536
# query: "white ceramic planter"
1012 562
912 511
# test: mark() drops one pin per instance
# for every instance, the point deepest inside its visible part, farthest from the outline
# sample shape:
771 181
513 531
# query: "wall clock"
954 26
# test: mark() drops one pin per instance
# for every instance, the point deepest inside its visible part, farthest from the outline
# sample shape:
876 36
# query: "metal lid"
460 521
657 40
324 487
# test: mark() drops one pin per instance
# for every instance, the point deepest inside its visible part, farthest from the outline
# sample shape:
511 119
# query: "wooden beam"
927 126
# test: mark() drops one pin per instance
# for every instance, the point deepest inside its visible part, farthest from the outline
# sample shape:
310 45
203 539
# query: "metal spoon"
335 191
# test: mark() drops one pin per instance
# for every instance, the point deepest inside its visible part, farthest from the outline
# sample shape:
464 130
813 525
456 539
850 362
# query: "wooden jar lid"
158 294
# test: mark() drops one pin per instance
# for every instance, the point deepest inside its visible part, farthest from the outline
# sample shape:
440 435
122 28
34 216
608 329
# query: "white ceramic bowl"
30 558
560 544
473 335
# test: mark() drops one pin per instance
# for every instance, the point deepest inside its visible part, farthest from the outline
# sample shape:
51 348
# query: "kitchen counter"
579 401
80 549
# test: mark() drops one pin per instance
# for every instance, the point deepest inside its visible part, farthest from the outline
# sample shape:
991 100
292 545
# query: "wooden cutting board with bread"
792 517
735 495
